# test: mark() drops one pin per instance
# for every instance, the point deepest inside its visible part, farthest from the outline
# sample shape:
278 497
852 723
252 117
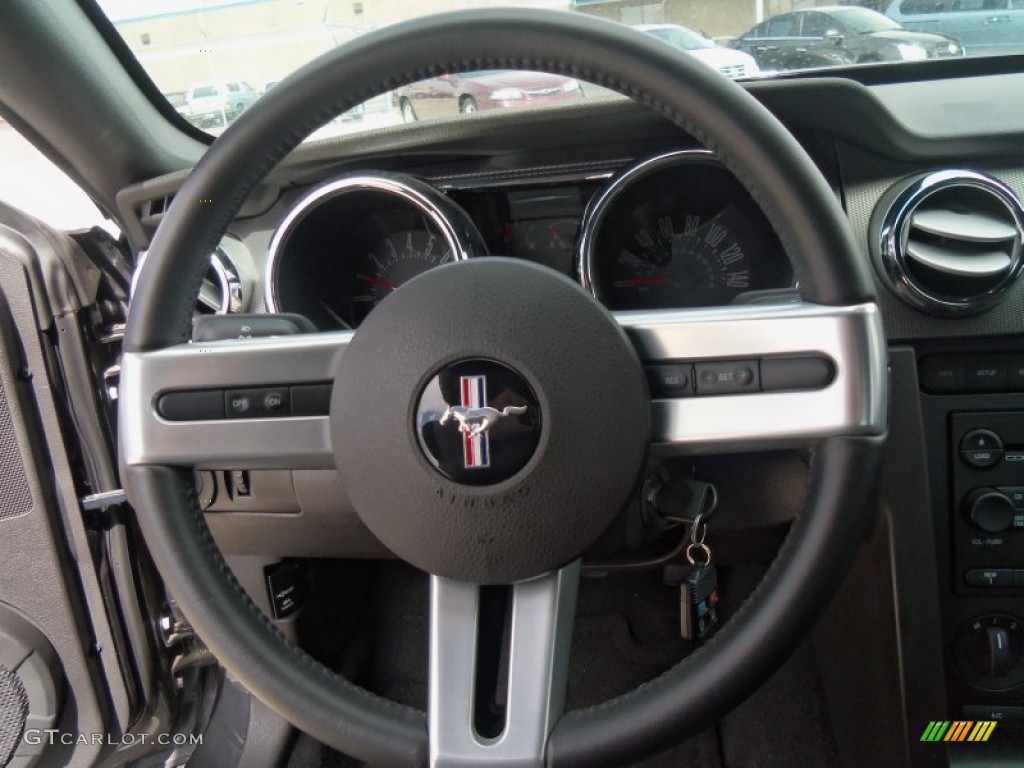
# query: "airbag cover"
585 398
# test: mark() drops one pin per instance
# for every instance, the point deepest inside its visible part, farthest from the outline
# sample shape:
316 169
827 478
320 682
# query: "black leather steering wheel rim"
748 140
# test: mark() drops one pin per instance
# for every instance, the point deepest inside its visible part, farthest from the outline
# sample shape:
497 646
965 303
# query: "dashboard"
674 230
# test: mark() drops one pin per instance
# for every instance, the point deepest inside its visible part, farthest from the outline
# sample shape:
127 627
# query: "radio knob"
989 509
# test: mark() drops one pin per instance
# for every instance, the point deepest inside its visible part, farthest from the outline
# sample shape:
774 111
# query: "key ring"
692 549
698 532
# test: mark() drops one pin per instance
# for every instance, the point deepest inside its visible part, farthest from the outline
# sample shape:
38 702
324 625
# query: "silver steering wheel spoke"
534 663
202 372
852 401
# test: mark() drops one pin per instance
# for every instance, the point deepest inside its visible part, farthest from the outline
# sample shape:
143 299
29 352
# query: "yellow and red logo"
958 730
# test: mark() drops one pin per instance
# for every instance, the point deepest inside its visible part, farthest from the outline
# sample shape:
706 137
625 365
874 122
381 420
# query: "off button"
981 448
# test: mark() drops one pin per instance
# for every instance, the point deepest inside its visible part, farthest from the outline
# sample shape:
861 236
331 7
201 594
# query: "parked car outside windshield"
492 89
839 36
184 43
985 27
211 104
731 63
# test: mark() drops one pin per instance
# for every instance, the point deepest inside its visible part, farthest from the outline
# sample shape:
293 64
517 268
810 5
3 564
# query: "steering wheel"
582 423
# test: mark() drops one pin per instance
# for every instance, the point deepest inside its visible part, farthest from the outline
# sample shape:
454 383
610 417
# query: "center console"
973 410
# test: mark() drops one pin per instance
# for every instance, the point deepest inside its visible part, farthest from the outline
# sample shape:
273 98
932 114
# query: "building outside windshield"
212 58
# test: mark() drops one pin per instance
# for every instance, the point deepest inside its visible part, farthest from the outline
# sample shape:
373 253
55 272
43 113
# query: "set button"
727 378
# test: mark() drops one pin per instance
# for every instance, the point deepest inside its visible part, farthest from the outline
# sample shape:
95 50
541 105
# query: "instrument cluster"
673 231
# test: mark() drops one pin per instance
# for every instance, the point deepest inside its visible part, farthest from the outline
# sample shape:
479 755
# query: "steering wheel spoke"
763 376
466 662
248 404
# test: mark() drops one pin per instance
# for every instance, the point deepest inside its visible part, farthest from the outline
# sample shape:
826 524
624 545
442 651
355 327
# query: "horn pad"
489 420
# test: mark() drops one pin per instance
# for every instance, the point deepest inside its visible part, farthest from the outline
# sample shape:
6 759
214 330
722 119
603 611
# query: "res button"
672 380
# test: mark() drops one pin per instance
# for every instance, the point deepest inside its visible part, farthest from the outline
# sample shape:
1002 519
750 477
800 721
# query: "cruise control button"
727 377
311 399
257 403
276 401
794 373
198 405
237 404
670 380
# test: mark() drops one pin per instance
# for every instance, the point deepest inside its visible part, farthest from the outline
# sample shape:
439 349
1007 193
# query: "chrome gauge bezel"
597 209
454 225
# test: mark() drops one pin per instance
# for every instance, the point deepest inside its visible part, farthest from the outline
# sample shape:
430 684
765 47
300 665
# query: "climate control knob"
989 509
989 652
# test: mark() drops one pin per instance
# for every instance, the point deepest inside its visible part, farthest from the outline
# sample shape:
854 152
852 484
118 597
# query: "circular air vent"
227 287
221 291
949 242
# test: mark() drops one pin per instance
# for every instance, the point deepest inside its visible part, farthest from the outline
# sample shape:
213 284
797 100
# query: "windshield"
863 21
213 58
680 37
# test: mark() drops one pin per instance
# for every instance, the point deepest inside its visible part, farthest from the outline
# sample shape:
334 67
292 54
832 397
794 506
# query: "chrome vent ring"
228 285
949 242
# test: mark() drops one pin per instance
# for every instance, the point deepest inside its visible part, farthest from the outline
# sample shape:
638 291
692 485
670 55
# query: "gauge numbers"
678 231
393 260
699 256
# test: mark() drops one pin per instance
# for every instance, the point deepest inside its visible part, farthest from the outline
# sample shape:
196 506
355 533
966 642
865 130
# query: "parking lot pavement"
370 121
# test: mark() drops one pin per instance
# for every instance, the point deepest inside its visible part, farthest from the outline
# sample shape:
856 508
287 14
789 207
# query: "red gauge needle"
377 282
635 281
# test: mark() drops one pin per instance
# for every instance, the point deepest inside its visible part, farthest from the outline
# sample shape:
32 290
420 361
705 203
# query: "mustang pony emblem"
475 417
475 421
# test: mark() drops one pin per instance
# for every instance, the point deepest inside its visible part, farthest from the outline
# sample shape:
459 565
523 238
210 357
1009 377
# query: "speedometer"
678 230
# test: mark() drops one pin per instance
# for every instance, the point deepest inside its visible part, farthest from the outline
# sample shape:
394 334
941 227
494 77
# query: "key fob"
698 602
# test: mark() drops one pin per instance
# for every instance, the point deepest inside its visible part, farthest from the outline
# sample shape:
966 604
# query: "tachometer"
395 259
678 231
348 244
